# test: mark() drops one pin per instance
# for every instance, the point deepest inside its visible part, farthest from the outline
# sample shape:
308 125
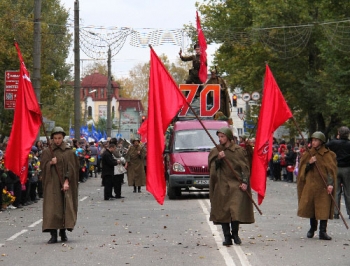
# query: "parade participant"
60 174
341 147
119 170
108 163
94 152
290 162
224 95
193 75
315 184
135 165
230 202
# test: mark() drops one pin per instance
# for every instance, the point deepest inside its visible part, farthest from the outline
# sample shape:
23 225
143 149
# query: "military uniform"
193 73
229 204
313 199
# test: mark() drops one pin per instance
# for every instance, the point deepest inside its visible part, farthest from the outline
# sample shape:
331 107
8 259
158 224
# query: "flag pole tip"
266 63
150 46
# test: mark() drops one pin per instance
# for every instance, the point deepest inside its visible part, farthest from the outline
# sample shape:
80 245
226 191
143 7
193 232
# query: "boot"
227 234
323 230
139 189
53 238
235 228
63 235
313 228
134 189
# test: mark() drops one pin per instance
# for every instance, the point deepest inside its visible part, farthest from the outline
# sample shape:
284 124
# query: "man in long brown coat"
60 175
230 203
135 158
315 184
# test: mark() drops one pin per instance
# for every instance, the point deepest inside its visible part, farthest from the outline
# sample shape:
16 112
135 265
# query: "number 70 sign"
210 90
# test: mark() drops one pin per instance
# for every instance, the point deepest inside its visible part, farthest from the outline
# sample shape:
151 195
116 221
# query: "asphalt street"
137 230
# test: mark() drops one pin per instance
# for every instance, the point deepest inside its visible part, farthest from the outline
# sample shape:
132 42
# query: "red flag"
25 126
203 72
143 131
164 101
274 112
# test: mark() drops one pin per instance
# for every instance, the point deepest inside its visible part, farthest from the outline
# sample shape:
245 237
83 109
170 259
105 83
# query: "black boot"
235 228
323 230
63 235
134 189
139 189
227 234
53 238
313 228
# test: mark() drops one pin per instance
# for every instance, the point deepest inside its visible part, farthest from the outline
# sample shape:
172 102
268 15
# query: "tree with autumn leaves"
17 23
305 44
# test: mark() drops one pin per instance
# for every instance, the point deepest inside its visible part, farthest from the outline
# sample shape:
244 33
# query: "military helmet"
58 130
227 131
319 135
136 139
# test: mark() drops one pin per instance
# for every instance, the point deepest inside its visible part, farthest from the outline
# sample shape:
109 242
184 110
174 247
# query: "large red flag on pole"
274 112
203 72
164 101
25 126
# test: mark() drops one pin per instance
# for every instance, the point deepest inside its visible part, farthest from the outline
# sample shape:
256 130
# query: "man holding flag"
198 73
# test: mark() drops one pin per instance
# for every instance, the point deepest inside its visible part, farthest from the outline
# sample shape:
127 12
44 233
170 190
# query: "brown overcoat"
59 208
136 167
228 201
313 199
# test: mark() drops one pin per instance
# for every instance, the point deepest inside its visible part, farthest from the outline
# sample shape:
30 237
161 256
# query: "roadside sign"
246 96
11 87
248 124
241 116
255 96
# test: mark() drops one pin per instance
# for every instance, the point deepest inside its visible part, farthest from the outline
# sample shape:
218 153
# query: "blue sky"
139 15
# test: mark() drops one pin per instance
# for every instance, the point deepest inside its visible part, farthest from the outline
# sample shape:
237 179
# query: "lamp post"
109 94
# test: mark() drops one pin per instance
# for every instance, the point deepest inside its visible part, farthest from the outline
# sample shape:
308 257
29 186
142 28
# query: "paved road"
138 231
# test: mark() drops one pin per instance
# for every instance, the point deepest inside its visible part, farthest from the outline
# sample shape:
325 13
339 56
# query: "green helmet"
135 139
227 131
58 130
319 135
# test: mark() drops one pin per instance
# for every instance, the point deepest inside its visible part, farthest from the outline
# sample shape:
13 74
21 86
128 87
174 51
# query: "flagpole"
319 172
218 147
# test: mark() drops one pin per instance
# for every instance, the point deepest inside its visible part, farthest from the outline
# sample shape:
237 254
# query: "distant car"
186 158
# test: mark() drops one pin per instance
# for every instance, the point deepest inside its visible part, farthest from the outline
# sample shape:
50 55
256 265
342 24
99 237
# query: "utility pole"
77 115
36 77
109 94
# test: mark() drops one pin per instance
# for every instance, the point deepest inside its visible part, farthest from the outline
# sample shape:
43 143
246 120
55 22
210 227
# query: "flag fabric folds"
274 112
164 101
142 131
26 124
203 72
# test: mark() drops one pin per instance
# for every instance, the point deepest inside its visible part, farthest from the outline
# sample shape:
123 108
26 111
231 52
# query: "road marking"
17 235
83 198
218 239
36 223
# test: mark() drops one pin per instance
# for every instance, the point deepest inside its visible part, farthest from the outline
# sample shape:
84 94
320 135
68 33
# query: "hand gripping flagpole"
321 175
